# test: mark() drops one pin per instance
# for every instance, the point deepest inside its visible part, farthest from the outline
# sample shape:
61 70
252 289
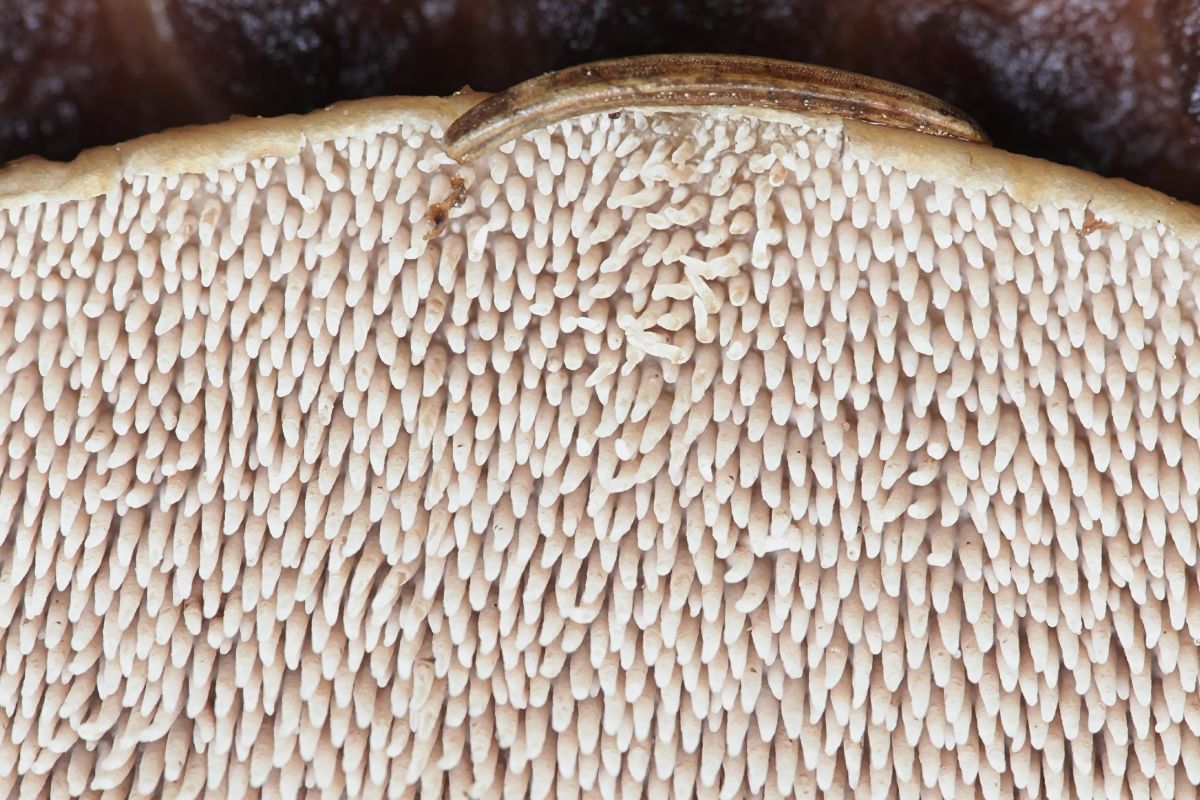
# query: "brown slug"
699 80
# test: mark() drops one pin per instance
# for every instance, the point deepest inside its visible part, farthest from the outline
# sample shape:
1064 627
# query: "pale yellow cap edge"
224 145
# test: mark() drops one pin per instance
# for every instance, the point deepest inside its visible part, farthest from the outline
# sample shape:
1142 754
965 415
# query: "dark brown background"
1110 86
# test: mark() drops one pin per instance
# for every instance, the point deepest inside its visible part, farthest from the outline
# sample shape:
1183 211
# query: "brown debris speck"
439 212
1091 224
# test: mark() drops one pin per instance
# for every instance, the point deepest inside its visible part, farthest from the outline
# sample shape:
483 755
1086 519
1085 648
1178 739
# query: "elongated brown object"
699 80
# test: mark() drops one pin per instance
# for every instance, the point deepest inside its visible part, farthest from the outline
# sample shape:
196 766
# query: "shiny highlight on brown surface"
699 80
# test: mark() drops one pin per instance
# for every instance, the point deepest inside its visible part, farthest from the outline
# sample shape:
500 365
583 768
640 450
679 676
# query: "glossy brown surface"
698 80
1109 85
1183 32
1093 83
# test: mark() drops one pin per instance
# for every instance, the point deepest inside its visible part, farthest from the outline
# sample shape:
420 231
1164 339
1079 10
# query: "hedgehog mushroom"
733 429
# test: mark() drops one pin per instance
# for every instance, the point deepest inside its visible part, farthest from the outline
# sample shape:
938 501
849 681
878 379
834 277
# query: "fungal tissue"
694 454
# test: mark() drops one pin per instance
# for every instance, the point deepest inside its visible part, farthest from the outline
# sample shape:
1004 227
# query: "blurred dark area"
1112 86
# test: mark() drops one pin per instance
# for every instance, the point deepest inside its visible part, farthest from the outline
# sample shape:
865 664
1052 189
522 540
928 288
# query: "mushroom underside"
686 450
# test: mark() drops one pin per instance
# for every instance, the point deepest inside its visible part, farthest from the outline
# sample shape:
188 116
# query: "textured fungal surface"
694 454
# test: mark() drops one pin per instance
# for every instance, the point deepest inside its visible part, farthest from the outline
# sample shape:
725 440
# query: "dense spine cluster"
696 455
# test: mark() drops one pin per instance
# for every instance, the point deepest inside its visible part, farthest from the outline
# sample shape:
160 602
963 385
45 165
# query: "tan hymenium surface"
700 452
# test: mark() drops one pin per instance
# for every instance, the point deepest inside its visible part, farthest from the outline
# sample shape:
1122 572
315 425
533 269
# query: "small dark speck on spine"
438 215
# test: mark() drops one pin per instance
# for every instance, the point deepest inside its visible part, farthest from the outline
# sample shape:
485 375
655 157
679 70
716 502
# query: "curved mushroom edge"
239 141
